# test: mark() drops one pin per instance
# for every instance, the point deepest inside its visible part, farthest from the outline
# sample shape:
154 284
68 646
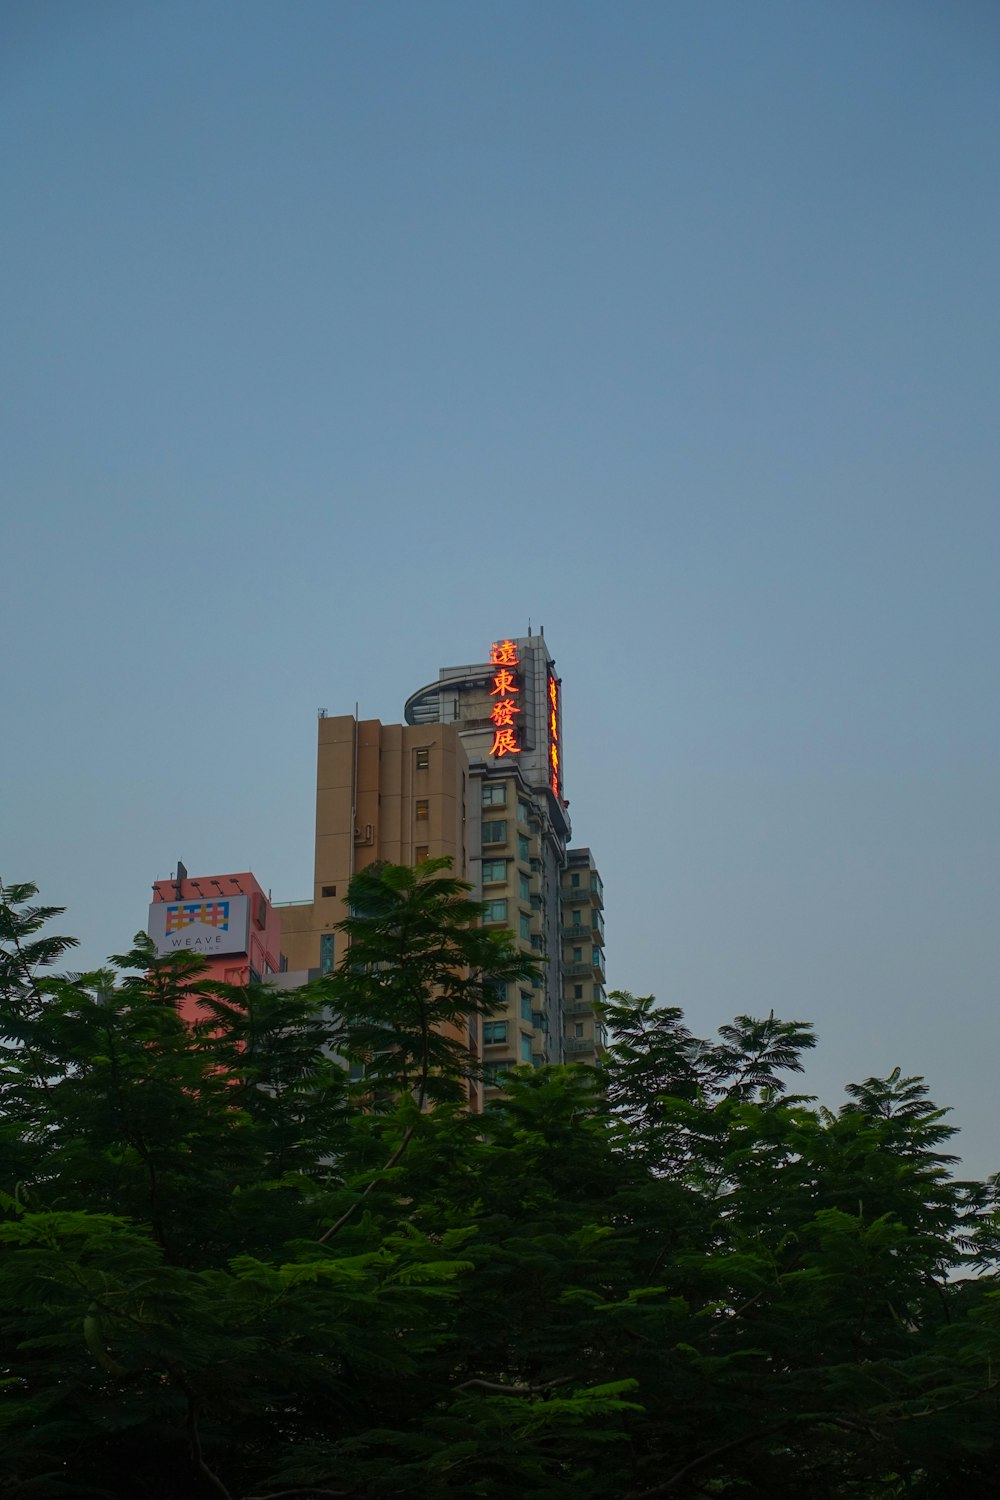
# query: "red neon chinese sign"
506 687
553 707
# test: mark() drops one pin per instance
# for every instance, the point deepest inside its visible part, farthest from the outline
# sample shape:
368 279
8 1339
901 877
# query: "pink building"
227 919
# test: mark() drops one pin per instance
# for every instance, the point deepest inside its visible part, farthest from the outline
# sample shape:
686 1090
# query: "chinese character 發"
504 711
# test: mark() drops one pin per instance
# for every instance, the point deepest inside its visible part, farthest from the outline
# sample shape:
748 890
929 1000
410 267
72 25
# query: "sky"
338 340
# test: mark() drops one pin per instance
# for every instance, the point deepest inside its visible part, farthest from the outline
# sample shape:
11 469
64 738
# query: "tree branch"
348 1213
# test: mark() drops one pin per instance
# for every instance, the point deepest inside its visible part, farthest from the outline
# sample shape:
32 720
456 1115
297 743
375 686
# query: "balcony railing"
592 894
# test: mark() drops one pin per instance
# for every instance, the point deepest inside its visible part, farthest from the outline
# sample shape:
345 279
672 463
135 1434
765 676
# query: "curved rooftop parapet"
424 706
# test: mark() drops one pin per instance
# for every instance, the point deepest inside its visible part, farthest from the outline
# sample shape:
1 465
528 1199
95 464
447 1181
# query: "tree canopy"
272 1254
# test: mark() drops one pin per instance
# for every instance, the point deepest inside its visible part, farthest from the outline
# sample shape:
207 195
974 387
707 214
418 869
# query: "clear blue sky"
337 339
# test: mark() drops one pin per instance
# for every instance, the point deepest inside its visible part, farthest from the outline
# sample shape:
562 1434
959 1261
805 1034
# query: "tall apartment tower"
508 715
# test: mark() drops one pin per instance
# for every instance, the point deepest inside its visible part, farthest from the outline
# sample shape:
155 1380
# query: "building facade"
227 920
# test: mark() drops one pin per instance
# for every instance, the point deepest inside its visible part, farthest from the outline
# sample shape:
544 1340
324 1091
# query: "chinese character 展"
503 653
504 743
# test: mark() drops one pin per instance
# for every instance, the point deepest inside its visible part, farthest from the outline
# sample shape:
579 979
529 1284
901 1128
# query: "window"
420 853
538 1021
497 988
423 759
496 911
495 833
326 943
523 887
422 809
526 1049
522 845
578 955
578 1029
577 917
494 794
494 1032
525 925
329 890
526 1004
574 881
598 958
523 812
493 870
536 941
578 992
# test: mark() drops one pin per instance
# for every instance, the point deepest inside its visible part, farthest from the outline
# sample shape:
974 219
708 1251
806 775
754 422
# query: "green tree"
227 1271
418 966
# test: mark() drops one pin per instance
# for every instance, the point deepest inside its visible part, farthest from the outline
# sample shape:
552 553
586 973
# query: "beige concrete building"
384 792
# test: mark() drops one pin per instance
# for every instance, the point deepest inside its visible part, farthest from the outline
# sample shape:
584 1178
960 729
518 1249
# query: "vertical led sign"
554 732
506 688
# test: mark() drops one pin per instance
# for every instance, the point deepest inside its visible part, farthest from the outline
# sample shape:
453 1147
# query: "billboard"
217 925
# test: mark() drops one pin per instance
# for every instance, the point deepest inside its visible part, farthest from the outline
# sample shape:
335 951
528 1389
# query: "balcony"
578 971
577 1008
577 1044
594 930
593 894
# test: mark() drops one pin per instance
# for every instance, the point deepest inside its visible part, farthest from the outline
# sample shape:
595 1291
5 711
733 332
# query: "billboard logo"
201 913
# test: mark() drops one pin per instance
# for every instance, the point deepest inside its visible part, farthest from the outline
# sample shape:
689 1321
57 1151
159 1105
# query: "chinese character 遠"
504 743
503 654
503 683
